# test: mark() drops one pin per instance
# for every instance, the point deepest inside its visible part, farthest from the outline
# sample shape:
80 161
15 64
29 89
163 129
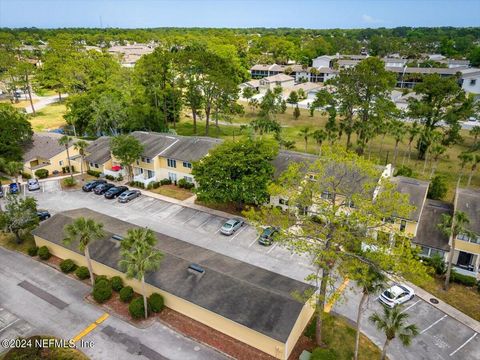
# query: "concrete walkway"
43 101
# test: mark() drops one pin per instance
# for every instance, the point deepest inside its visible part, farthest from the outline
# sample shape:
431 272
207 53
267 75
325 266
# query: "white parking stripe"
465 343
6 327
207 220
436 322
191 217
236 234
408 308
253 242
271 249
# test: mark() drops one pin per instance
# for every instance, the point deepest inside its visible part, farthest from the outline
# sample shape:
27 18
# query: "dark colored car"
128 195
43 215
102 188
89 186
1 191
267 236
115 192
14 188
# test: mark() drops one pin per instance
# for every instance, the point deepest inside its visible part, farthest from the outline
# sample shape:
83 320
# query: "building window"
60 163
188 179
473 82
146 160
187 164
403 225
172 176
326 195
150 174
172 163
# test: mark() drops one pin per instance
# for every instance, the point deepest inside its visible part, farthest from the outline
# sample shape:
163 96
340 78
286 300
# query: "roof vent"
196 269
117 237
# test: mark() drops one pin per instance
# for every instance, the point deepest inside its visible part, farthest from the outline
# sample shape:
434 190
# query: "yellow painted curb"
340 290
90 327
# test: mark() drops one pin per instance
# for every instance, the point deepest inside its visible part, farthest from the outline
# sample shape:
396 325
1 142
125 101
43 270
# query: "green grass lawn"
49 118
8 241
173 192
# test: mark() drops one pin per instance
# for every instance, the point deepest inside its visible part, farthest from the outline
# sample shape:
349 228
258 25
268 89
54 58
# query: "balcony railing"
141 178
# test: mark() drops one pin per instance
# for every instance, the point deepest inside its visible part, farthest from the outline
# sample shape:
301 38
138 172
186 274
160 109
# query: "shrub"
44 253
117 283
69 182
182 183
155 302
82 273
101 278
94 173
41 173
67 266
120 177
437 263
102 291
323 354
126 294
136 308
155 184
26 175
33 250
109 177
463 279
165 181
404 171
150 185
438 188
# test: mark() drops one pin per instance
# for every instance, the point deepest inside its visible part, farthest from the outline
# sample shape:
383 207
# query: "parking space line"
191 217
253 242
435 323
6 327
271 249
236 234
465 343
207 220
408 308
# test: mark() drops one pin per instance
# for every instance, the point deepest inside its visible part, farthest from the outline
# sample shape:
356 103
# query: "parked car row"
111 191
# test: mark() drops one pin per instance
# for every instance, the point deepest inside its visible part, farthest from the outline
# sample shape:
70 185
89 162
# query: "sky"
314 14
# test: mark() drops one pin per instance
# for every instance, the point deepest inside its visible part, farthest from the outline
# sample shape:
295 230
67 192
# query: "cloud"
371 20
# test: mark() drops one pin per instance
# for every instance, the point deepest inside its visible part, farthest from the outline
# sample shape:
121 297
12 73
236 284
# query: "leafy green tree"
248 93
305 134
452 226
20 215
293 98
22 73
330 237
127 149
441 100
65 140
139 257
322 99
81 146
438 188
265 126
392 323
84 231
465 158
475 132
474 162
475 57
15 134
236 172
319 136
296 113
109 113
397 130
271 104
13 169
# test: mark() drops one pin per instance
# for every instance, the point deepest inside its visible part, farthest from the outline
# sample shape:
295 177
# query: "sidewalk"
447 309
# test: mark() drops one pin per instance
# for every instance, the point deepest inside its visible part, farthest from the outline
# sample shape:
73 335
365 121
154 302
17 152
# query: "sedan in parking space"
43 215
231 226
128 195
396 295
102 188
33 185
267 236
89 186
13 188
115 192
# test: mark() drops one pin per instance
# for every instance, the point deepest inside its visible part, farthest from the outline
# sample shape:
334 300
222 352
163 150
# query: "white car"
33 184
396 295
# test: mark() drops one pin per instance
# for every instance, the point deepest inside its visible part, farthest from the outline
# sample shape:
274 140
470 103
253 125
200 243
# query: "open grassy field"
48 118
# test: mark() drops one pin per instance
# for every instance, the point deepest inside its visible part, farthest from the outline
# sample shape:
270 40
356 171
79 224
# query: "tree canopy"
15 132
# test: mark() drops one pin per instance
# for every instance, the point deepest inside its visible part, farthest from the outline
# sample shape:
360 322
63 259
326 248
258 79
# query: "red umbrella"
116 168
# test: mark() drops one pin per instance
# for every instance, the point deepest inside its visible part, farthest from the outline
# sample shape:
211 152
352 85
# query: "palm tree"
413 131
436 150
475 132
81 146
452 227
397 130
475 160
65 141
465 158
139 256
305 133
392 323
85 231
319 136
13 169
370 282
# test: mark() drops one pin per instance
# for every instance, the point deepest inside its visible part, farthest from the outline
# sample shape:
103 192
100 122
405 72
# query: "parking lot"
442 337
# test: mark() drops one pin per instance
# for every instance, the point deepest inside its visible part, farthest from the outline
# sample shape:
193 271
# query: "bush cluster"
102 290
67 266
44 253
182 183
136 308
153 185
155 302
137 184
82 272
65 169
463 279
404 171
117 283
323 354
94 173
33 250
126 294
110 177
101 278
69 182
437 263
41 173
166 181
26 175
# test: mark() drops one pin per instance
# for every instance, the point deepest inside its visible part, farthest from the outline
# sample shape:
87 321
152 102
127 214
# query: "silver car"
231 226
33 184
128 195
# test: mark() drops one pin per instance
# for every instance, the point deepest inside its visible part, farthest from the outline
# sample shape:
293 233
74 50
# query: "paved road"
443 337
26 310
43 101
